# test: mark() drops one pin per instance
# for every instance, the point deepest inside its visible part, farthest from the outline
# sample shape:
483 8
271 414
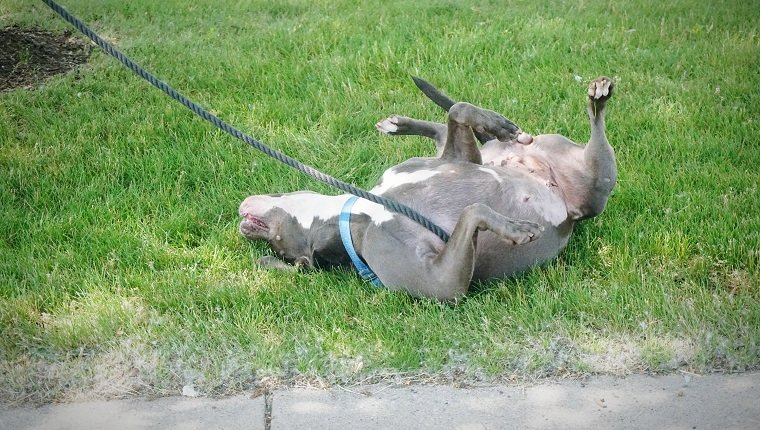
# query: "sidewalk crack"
268 397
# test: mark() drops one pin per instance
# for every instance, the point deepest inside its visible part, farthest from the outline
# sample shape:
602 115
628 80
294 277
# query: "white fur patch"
492 173
306 206
377 212
303 206
391 179
387 125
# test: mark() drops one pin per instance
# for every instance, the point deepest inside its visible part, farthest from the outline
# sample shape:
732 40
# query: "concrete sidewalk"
677 401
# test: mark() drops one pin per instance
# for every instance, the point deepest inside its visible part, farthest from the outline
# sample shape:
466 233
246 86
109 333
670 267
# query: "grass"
121 270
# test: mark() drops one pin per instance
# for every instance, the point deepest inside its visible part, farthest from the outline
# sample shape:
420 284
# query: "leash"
344 226
234 132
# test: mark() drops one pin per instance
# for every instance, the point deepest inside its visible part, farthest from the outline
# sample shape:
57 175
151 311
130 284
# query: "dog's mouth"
253 227
256 222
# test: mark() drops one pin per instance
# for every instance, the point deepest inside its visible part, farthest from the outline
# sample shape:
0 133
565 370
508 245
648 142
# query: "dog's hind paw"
600 89
388 125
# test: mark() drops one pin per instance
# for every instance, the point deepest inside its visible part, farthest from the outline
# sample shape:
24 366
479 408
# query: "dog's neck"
324 240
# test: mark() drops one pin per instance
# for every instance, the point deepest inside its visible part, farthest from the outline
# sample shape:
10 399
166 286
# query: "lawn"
122 271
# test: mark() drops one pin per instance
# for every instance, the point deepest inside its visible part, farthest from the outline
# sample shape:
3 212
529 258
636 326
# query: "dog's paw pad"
525 231
388 125
600 88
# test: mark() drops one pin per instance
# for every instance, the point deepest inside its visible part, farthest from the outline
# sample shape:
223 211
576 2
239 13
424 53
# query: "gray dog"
508 205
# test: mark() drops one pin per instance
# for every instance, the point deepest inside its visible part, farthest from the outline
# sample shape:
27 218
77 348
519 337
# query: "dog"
508 205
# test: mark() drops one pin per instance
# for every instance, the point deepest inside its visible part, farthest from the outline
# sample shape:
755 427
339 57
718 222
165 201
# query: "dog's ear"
304 262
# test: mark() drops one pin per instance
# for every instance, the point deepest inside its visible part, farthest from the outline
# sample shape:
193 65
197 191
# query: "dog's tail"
444 101
434 93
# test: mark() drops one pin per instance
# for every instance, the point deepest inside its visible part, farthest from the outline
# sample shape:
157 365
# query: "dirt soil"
29 56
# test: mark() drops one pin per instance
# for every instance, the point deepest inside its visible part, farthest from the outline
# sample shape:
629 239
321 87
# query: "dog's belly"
497 259
442 190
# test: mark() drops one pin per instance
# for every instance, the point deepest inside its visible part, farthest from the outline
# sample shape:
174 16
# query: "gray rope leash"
213 119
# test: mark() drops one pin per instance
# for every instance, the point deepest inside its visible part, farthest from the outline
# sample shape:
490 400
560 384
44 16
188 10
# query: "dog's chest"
442 190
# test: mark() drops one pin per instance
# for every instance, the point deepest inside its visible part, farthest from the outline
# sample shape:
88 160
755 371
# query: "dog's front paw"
274 263
521 232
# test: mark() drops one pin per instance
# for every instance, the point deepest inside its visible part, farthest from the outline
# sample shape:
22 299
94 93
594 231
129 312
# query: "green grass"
121 270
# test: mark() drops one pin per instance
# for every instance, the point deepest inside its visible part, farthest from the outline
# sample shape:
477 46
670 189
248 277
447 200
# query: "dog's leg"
445 273
465 118
274 263
599 157
400 125
460 140
445 102
455 264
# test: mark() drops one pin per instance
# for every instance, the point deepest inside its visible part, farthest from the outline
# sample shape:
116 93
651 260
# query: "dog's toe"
527 231
600 88
388 125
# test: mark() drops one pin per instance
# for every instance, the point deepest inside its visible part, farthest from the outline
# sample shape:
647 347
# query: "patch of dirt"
29 56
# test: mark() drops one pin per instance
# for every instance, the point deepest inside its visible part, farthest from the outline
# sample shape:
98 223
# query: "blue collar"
344 225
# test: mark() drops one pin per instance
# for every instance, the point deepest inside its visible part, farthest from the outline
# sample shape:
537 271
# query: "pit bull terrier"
508 205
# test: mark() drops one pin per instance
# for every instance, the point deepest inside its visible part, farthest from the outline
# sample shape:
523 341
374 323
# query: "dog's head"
281 220
301 227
